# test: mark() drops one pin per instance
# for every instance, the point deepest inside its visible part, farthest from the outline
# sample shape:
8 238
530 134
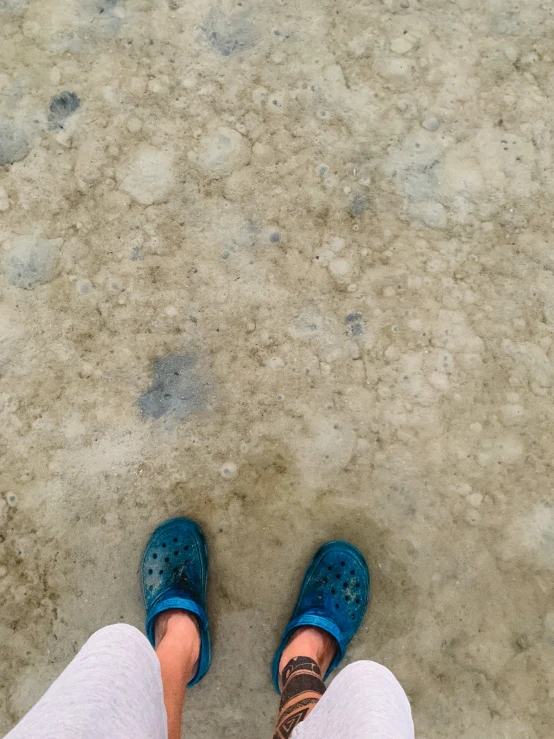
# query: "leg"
177 648
304 660
365 700
329 610
112 688
174 573
116 687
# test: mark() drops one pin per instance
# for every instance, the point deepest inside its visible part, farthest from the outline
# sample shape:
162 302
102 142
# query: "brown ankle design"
302 689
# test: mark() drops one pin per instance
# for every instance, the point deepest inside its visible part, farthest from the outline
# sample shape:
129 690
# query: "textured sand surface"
286 267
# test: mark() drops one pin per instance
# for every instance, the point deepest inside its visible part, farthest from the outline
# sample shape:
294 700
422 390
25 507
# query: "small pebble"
275 363
134 125
270 236
115 284
464 488
276 102
401 45
14 144
83 286
229 470
431 123
221 154
28 261
339 267
337 244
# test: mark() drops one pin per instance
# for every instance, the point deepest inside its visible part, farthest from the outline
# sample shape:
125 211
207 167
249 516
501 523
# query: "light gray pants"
113 690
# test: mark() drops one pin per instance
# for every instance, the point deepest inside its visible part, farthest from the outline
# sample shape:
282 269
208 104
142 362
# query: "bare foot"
178 630
177 639
308 641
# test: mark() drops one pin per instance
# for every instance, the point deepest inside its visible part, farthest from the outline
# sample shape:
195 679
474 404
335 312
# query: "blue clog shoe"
333 597
174 574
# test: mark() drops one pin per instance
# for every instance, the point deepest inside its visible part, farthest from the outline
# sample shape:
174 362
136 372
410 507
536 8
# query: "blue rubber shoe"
174 574
333 597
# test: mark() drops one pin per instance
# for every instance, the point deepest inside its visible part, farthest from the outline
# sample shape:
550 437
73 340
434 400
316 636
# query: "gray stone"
14 143
28 261
222 154
431 123
433 214
228 34
148 176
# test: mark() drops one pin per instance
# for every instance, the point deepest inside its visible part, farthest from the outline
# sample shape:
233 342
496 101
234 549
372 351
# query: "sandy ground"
286 267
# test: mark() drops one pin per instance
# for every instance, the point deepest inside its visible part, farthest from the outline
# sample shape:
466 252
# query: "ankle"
178 629
308 641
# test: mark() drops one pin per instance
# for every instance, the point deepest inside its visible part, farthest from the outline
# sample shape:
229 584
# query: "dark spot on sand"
61 107
177 390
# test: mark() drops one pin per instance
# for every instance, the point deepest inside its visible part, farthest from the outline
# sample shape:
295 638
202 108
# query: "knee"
365 671
123 635
376 689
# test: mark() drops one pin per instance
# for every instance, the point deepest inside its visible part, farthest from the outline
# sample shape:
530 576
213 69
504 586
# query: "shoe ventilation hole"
330 568
337 576
163 544
345 585
187 548
150 572
175 538
175 570
324 581
333 592
336 605
176 554
357 600
342 564
346 597
154 556
357 584
167 559
161 572
351 572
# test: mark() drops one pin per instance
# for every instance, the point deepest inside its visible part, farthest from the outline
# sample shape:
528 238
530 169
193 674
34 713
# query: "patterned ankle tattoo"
302 689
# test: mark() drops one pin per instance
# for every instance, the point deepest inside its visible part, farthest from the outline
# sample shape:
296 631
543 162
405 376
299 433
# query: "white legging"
113 690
